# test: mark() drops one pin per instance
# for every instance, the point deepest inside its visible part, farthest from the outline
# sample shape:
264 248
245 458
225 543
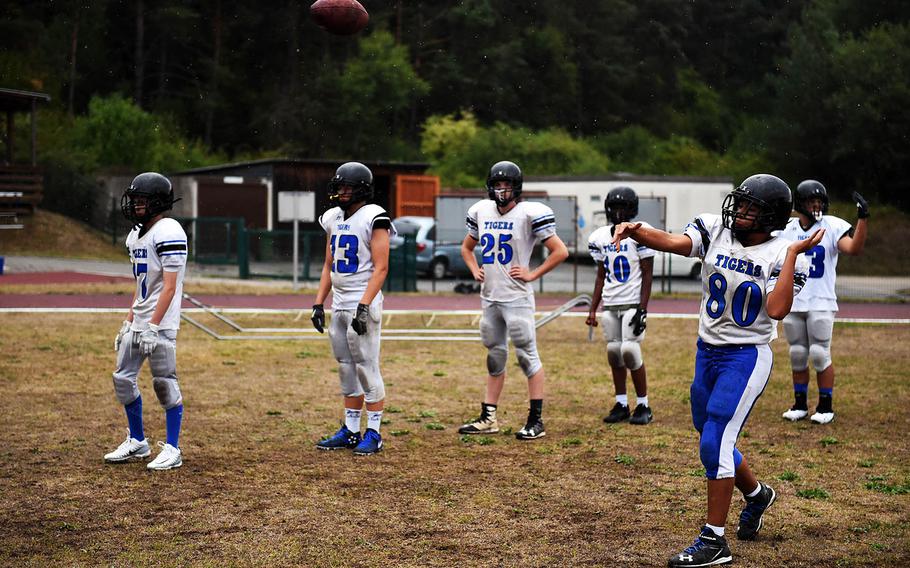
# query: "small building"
250 189
21 184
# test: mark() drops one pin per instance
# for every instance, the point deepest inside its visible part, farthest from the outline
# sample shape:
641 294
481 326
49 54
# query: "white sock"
719 531
352 419
756 492
643 400
622 399
374 419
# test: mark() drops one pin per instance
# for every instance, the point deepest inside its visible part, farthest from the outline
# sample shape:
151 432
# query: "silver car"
436 260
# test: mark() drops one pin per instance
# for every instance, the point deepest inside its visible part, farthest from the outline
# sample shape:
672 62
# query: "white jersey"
622 268
162 248
736 281
352 259
506 241
818 293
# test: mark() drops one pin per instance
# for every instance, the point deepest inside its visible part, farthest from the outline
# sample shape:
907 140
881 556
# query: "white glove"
124 329
148 340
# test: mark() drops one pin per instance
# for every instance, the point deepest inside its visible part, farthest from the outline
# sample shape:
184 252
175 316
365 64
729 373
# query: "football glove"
148 340
124 329
639 321
318 318
862 207
359 323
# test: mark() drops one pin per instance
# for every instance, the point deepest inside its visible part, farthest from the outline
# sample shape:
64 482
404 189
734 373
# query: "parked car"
436 260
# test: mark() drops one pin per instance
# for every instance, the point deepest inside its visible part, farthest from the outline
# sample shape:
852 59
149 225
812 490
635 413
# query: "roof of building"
267 163
19 101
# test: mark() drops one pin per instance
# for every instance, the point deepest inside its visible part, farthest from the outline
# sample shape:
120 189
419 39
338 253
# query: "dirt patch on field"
254 491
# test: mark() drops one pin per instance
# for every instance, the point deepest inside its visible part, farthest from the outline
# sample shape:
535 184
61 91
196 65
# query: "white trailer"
666 202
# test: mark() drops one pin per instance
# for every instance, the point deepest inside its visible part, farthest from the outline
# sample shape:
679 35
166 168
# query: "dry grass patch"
254 491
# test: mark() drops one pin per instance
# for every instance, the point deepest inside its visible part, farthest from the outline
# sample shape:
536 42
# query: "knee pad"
523 337
347 375
497 356
799 357
821 356
614 354
631 355
168 391
372 385
125 388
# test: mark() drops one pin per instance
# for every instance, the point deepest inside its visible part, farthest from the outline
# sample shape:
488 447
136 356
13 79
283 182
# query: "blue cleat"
371 444
750 520
343 439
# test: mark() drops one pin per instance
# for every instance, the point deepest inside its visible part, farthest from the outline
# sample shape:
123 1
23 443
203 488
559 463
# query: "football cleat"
822 417
531 431
371 444
343 439
131 449
795 414
708 549
750 519
641 415
483 425
169 458
619 413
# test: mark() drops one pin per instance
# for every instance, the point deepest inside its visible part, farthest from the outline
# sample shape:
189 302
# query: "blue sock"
173 417
828 392
134 417
800 388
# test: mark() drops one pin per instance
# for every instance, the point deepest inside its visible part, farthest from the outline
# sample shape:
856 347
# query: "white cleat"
795 414
131 449
822 417
169 458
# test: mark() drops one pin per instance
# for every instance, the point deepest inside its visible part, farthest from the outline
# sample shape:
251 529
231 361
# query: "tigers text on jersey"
352 259
622 268
162 248
818 294
506 241
736 280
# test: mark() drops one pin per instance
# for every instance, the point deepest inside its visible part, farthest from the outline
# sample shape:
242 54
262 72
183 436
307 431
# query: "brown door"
247 200
416 195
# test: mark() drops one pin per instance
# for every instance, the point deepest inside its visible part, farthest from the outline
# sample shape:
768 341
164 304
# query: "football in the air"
340 17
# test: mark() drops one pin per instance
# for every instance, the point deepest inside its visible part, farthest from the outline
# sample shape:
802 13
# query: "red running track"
393 301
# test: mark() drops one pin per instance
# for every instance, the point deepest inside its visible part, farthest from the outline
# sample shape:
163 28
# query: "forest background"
803 89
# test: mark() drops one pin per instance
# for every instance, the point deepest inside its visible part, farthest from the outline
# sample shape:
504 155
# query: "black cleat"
619 413
531 431
750 520
707 550
641 415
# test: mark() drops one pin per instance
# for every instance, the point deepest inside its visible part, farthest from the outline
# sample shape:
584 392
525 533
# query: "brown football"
340 17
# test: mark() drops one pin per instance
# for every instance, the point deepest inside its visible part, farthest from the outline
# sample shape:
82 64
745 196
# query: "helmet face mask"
504 171
148 195
353 181
761 204
621 204
811 199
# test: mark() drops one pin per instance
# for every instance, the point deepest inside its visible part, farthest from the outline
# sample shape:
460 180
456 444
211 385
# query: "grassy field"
254 491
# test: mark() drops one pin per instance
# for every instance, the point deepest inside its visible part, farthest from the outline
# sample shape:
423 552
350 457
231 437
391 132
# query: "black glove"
318 318
639 321
359 323
862 207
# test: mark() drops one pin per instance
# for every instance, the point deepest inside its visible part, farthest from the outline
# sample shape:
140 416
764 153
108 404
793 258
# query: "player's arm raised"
558 253
653 238
853 244
780 300
467 253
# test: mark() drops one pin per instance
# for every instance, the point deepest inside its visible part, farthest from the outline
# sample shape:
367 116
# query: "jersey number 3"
349 262
488 255
817 255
